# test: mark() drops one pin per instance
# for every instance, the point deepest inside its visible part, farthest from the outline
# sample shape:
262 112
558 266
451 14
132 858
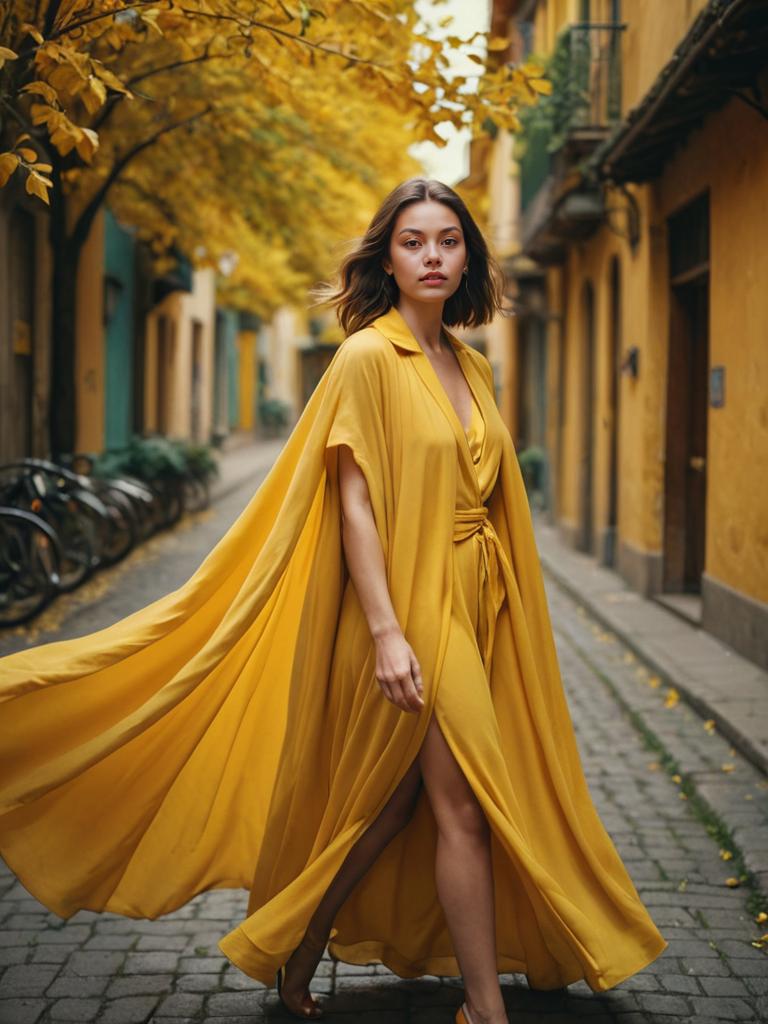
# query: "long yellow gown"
232 734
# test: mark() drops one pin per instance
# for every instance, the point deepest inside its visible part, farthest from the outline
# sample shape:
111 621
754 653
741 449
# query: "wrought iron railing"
585 71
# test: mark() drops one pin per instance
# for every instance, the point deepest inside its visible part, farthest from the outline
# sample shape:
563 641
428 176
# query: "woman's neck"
425 320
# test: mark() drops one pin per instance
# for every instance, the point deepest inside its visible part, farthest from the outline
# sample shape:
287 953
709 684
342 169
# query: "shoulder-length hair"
364 291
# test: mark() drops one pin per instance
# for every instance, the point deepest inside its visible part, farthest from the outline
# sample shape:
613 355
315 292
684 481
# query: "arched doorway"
608 552
585 537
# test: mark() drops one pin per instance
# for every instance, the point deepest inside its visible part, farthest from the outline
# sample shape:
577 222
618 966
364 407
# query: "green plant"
533 462
146 457
199 458
274 413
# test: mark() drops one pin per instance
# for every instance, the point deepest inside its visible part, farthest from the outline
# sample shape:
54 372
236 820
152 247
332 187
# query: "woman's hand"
398 671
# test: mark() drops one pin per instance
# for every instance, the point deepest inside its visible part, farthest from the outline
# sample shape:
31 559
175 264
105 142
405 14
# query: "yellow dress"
232 734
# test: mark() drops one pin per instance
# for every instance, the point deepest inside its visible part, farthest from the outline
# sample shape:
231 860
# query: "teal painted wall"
118 334
234 372
225 372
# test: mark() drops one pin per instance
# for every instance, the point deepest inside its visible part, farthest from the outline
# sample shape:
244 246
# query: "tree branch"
50 16
84 221
290 35
66 29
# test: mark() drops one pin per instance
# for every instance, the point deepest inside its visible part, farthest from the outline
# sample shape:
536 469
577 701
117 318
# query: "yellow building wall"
182 310
654 30
285 336
729 156
247 348
89 353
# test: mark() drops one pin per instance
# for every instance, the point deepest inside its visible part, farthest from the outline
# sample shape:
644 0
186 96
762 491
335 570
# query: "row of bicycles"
62 521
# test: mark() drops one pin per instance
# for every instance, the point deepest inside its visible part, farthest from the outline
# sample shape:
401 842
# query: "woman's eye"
453 240
408 243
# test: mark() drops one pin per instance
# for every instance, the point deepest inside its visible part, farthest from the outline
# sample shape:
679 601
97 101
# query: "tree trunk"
65 252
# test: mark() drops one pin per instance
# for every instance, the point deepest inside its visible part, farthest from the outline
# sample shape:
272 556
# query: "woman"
353 708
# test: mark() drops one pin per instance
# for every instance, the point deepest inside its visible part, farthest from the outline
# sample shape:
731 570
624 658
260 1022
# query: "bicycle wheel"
30 560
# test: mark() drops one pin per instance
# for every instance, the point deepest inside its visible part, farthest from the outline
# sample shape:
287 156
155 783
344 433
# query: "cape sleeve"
131 751
359 421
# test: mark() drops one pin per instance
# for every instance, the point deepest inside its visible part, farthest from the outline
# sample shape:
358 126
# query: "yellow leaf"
39 88
542 85
7 54
727 766
45 168
531 69
33 31
762 917
498 43
677 778
654 682
36 186
87 144
41 113
27 154
732 883
672 698
709 725
726 855
8 164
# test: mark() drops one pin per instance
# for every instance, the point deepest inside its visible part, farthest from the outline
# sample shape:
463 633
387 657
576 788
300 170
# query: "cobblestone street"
670 790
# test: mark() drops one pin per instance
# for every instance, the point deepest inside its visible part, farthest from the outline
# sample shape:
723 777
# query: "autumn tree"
221 126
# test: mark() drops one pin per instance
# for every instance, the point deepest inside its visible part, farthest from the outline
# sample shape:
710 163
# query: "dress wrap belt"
474 522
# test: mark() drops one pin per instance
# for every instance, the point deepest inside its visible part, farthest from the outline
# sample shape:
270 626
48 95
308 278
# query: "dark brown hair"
364 291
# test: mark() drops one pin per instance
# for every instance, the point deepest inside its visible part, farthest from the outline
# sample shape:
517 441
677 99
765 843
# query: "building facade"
641 352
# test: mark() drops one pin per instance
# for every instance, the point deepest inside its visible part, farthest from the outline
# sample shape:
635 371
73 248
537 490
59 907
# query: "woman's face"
427 251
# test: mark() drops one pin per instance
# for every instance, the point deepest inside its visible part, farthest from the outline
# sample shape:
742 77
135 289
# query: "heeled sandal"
308 1013
462 1016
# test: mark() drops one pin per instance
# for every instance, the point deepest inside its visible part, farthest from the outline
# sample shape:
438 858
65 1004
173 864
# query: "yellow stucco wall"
247 349
653 32
183 310
90 356
729 156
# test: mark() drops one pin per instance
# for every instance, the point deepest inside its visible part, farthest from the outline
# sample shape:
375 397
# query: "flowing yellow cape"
196 744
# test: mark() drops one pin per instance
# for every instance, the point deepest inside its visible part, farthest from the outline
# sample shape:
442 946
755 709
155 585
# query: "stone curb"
699 702
720 796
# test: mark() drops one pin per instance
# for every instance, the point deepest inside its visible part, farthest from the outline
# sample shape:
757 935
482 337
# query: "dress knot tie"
474 522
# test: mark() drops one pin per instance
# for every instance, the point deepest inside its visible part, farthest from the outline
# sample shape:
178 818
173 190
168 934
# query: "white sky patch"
451 163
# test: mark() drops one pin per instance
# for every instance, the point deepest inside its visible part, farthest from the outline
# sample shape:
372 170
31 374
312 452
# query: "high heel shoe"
308 1013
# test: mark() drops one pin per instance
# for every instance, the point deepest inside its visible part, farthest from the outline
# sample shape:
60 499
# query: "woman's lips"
433 280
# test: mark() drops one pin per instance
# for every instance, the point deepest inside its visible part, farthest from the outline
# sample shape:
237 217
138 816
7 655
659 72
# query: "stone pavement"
729 692
655 773
242 459
714 678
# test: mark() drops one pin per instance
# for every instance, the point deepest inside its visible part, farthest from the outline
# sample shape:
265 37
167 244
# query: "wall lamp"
630 362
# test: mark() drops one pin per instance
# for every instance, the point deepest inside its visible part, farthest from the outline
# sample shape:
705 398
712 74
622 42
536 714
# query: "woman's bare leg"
464 875
396 813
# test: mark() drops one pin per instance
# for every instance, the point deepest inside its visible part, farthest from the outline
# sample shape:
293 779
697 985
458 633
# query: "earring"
466 270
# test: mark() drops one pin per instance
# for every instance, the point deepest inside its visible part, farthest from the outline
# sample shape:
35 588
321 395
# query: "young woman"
353 708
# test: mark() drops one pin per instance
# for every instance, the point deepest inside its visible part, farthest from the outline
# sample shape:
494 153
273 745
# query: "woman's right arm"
397 669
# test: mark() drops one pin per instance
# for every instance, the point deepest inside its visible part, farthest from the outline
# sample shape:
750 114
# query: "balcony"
559 202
